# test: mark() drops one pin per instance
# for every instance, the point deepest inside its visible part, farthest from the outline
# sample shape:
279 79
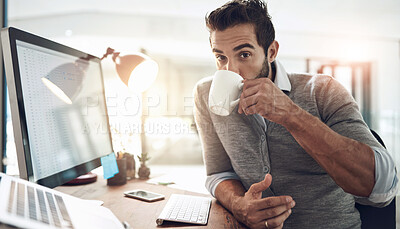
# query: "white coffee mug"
224 92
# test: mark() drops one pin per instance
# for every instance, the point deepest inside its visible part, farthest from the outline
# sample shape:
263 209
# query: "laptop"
28 205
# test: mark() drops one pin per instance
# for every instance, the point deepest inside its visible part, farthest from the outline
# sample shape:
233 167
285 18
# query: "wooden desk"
143 215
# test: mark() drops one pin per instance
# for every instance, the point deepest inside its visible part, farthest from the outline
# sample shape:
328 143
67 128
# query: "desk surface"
140 214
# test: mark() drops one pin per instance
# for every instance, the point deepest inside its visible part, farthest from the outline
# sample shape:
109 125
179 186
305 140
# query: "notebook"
29 205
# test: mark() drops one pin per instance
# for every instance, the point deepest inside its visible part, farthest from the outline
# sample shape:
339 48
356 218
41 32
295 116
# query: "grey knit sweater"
251 146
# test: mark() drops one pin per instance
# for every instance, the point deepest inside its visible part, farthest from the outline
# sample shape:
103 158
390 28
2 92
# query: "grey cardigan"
251 146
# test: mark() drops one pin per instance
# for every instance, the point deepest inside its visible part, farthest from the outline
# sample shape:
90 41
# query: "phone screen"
144 194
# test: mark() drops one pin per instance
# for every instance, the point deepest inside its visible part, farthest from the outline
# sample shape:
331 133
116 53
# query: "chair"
373 217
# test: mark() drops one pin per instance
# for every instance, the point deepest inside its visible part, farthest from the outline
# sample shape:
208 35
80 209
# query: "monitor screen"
58 108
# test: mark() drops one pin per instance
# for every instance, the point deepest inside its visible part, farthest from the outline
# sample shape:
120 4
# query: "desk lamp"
137 71
55 80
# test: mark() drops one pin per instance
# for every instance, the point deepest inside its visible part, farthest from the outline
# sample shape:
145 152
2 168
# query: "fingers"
249 91
253 82
278 204
249 104
274 222
254 109
260 186
277 222
277 210
275 201
250 96
240 110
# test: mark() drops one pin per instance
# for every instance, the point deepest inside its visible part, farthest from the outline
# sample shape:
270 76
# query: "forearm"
228 192
350 163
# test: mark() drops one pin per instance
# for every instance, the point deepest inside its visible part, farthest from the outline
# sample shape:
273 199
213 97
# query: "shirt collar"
281 78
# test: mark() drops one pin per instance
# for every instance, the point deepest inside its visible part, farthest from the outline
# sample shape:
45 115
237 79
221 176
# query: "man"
295 139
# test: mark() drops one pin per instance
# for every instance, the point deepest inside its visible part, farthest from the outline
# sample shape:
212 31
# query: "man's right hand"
255 211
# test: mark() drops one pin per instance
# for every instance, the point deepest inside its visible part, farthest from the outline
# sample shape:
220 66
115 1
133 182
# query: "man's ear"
273 51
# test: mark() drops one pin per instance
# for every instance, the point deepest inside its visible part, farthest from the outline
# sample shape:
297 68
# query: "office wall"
383 53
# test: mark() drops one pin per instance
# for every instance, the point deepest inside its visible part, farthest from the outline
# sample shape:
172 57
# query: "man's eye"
245 55
220 58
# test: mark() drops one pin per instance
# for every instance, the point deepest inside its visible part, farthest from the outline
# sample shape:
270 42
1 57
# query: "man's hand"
254 211
261 96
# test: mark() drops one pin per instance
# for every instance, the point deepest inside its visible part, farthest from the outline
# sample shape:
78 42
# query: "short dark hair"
237 12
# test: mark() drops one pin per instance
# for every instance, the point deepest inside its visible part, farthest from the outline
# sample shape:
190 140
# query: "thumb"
261 186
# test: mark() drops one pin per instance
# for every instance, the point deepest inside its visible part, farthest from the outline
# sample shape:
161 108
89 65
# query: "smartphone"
144 195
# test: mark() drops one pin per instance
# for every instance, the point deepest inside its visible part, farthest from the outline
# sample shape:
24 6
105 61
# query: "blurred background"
358 42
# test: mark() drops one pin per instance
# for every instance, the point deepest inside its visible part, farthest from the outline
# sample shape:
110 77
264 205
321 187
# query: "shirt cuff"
386 182
213 180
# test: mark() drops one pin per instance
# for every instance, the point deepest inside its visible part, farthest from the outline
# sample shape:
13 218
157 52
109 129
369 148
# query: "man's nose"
231 66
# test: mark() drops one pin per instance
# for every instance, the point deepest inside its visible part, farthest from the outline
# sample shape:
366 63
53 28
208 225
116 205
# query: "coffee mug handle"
240 86
234 103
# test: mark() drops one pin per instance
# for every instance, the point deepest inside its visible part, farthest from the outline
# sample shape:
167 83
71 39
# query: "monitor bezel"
9 36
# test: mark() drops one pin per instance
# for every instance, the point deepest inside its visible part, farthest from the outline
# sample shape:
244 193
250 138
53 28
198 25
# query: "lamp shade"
137 71
65 81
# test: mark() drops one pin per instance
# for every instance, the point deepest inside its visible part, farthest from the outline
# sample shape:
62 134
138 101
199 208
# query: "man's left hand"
261 96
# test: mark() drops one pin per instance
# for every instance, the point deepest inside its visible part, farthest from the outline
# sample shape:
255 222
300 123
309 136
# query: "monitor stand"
83 179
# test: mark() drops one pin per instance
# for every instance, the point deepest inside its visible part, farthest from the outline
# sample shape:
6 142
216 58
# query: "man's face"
236 49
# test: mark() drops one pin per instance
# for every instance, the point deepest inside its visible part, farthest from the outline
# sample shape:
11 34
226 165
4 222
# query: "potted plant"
144 171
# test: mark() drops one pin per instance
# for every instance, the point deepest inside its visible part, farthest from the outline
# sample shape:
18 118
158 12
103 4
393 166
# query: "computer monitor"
58 108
